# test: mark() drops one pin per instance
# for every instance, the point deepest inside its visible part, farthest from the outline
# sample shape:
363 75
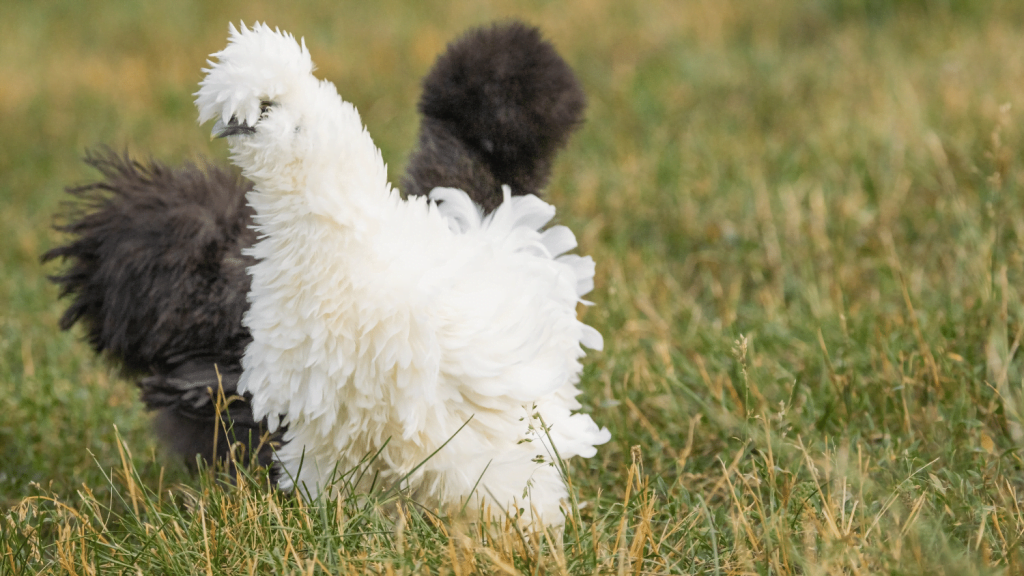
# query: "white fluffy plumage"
384 325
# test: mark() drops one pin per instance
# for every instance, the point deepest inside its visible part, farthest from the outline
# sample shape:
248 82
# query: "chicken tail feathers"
155 273
154 263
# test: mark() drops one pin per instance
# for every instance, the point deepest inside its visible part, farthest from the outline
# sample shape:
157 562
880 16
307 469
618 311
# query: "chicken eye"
265 107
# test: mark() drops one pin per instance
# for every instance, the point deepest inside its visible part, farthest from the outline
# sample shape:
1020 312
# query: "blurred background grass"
806 217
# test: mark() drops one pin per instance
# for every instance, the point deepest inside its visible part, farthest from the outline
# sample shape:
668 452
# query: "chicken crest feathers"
257 64
512 71
496 107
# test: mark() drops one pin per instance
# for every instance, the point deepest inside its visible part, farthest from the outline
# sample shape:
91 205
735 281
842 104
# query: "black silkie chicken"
155 267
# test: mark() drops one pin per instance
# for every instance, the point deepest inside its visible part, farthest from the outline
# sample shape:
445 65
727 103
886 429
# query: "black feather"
496 106
156 267
157 278
200 412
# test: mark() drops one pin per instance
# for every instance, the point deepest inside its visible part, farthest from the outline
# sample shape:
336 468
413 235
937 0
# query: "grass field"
807 218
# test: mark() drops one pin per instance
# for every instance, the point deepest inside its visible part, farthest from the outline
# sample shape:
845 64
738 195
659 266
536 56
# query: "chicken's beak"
232 128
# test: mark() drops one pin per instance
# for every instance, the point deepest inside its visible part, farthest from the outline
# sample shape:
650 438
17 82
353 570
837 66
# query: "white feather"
383 324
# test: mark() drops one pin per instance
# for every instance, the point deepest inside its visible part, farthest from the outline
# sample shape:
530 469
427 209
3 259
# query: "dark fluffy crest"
496 107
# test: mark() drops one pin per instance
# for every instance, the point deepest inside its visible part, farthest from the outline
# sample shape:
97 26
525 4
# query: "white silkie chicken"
394 326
